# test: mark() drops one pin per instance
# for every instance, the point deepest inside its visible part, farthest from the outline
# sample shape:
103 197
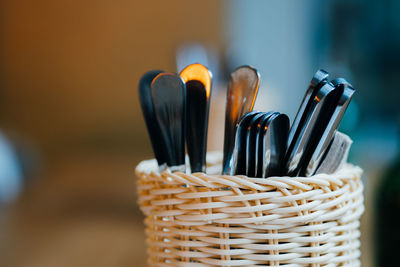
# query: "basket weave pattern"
217 220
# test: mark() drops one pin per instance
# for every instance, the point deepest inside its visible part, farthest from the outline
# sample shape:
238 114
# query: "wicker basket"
215 220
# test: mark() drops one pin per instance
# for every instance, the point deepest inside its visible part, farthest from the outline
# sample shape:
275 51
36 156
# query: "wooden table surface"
80 211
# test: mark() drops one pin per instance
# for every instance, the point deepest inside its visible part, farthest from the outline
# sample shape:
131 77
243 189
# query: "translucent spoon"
198 90
241 95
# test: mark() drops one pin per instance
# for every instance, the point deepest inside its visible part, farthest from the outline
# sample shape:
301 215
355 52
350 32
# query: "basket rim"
150 167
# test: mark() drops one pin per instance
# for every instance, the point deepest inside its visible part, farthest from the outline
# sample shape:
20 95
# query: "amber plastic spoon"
198 90
241 95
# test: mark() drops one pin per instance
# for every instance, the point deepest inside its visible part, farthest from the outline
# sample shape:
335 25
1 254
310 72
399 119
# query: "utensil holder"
217 220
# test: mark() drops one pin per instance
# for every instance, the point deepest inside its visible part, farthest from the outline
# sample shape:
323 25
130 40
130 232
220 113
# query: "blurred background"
72 132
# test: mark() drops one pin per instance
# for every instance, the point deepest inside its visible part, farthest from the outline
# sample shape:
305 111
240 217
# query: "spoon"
251 142
149 116
259 138
241 95
322 122
275 131
198 90
318 80
332 122
295 155
238 160
168 93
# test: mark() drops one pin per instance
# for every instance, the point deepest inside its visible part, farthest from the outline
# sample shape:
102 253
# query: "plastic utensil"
198 90
241 95
149 116
238 160
295 155
332 123
251 143
168 93
259 137
272 140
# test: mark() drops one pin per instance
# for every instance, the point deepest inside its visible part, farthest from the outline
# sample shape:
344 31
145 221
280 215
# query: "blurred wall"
277 37
69 69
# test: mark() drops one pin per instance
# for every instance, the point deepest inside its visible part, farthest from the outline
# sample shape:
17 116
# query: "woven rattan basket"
215 220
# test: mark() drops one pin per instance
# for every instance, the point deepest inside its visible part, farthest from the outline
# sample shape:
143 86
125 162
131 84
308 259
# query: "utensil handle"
197 125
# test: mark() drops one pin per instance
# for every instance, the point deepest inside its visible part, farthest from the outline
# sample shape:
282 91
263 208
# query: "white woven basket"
216 220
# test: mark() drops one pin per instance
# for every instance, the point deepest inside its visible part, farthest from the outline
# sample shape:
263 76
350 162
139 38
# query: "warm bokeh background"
71 129
68 94
69 69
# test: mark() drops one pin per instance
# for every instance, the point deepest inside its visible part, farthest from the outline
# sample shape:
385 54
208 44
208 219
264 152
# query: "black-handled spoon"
198 90
168 93
241 95
296 153
259 140
332 122
149 116
238 161
319 79
314 138
251 143
276 131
